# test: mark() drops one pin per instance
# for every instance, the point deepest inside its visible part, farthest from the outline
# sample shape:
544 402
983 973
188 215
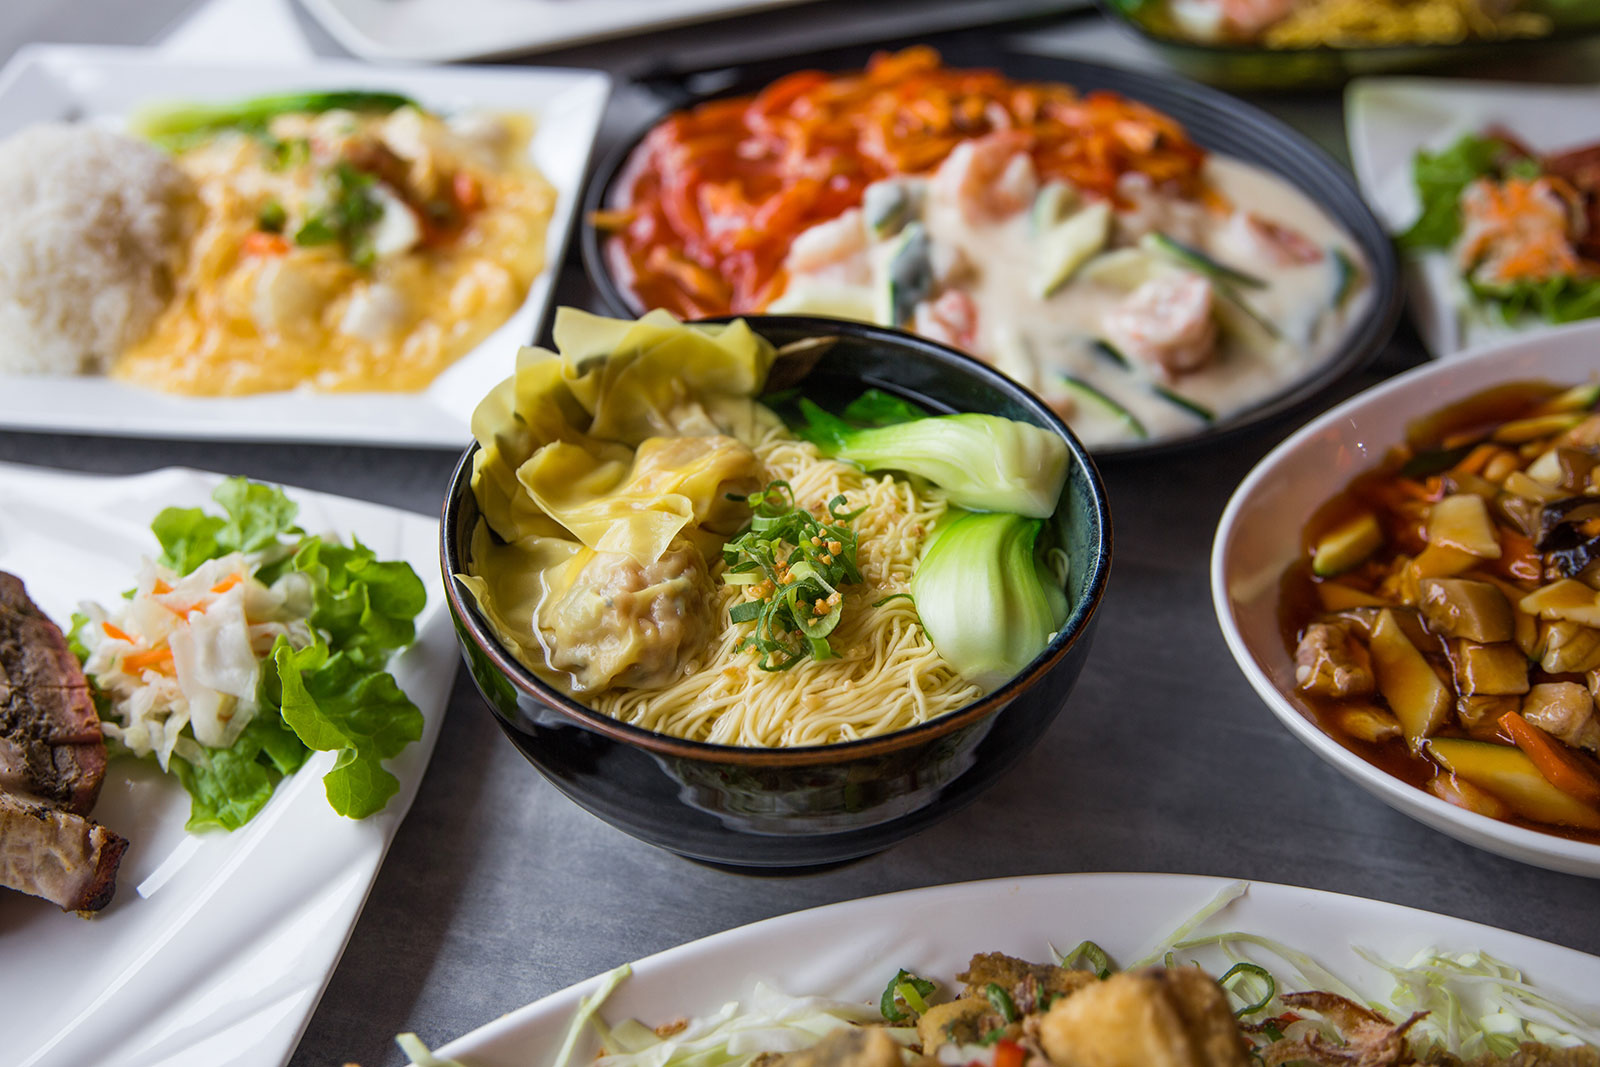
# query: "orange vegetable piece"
261 243
117 633
158 658
1560 767
227 583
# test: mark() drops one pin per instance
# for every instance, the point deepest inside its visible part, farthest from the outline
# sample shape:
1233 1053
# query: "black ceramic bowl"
1214 120
798 807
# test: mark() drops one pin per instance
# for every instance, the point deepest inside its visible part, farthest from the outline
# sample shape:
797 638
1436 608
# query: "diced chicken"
1567 647
620 623
1369 723
375 313
1017 976
958 1022
1161 1017
1462 608
1566 711
1480 715
1330 661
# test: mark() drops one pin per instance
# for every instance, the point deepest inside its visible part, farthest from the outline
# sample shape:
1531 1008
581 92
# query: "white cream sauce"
986 265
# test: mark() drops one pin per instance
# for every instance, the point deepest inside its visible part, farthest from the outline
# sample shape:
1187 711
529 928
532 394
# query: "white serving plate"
850 950
1259 537
1390 119
441 31
51 83
217 946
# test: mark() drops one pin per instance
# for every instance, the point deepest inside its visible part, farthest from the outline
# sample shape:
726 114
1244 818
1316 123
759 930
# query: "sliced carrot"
1518 558
117 633
1559 766
227 583
158 658
1477 459
261 243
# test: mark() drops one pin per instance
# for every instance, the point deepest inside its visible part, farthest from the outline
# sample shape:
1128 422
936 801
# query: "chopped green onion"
1001 1002
1193 407
894 995
992 1036
1093 955
1244 967
272 217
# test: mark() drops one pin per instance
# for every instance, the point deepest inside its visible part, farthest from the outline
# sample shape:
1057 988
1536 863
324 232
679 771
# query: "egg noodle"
885 674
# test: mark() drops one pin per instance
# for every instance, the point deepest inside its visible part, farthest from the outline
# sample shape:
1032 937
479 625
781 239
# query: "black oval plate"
1216 121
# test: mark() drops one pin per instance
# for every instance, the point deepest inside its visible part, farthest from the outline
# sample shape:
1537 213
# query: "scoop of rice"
91 239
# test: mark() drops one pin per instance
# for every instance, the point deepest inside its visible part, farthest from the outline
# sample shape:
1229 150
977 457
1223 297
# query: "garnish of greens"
351 211
176 126
332 693
1441 178
792 565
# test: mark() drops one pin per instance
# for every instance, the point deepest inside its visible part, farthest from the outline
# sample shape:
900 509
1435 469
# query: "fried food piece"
848 1046
1015 975
1160 1017
958 1022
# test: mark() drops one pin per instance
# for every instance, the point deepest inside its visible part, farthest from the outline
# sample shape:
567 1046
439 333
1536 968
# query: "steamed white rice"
92 235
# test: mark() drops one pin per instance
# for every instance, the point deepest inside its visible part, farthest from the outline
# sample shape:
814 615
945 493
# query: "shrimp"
1516 230
1167 324
1275 243
827 244
951 319
988 178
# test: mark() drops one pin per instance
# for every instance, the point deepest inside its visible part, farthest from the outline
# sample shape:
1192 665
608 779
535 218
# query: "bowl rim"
1365 338
1506 839
471 624
1559 34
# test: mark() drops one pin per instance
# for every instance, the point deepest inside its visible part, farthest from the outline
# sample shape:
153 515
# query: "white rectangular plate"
106 85
1390 119
448 30
217 946
849 951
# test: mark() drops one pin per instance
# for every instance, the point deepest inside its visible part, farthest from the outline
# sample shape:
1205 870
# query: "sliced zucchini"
1347 545
1110 353
1193 407
1050 205
909 276
1578 398
1345 276
1083 389
1059 251
1124 268
886 207
1197 260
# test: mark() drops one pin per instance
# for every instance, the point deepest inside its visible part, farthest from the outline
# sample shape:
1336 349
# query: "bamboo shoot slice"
1462 522
1567 599
1509 774
1347 545
1336 596
1408 683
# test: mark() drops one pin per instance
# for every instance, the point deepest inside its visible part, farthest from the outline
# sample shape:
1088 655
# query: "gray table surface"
498 891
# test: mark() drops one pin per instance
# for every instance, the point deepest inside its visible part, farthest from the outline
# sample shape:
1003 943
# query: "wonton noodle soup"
660 546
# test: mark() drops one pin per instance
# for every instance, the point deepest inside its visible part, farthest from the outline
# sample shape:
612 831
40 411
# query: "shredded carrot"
116 633
227 583
160 587
1477 459
721 190
158 658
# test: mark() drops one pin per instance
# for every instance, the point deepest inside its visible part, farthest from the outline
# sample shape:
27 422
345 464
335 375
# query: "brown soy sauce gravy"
1299 603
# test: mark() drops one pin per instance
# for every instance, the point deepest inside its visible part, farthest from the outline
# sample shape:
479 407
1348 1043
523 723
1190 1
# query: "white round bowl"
1259 537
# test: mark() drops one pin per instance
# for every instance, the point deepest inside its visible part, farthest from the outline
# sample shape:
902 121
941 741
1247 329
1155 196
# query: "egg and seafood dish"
660 544
332 240
1081 243
1445 618
1522 228
1302 24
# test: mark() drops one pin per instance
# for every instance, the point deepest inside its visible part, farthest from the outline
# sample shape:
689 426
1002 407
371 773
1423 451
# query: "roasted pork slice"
50 740
67 859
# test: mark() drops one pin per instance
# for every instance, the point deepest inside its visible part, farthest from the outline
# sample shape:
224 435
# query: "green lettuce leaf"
188 537
365 605
1554 300
230 785
257 515
1440 178
336 703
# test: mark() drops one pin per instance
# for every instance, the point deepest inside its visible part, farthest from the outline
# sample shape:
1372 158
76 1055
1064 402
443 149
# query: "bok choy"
988 602
984 462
